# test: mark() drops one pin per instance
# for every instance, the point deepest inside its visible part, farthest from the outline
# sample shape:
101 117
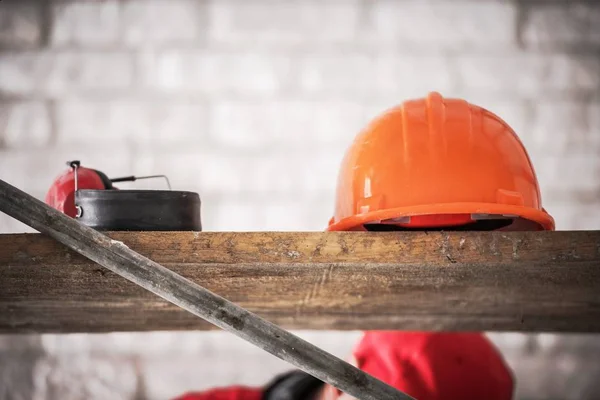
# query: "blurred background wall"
252 104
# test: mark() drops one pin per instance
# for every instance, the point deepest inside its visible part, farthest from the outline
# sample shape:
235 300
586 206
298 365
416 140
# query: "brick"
76 377
577 344
19 73
20 344
204 172
286 174
64 73
161 21
85 23
16 380
509 342
80 122
293 23
239 216
294 215
578 72
299 174
135 344
215 74
557 25
26 170
593 134
20 24
262 214
444 25
175 122
586 216
568 173
528 75
284 124
131 121
199 171
493 74
322 74
550 377
73 72
562 127
363 76
25 124
395 75
594 16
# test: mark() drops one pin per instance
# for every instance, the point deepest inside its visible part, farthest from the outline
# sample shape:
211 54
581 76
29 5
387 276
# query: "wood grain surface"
500 281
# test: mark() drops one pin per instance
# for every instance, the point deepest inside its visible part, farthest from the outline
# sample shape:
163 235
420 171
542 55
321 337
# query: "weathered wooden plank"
517 281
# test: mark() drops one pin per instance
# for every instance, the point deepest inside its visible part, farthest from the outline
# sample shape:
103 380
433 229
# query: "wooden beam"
517 281
501 281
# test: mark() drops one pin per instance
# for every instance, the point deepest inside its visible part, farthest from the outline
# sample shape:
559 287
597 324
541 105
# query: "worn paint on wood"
503 281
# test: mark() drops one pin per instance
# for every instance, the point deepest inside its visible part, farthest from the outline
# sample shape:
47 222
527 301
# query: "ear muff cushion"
294 385
105 179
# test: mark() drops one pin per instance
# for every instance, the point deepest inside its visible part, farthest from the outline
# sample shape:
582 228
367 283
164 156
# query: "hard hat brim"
540 217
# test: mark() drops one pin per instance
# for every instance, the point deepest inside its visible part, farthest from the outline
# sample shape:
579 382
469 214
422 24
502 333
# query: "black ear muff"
105 180
482 225
294 385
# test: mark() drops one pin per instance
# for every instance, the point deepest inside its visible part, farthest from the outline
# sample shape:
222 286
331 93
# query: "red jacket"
231 393
426 366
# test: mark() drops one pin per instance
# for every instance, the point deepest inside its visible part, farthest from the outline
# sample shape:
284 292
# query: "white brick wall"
20 25
201 72
529 75
25 124
161 22
85 23
252 104
131 122
291 24
65 73
446 25
559 24
283 124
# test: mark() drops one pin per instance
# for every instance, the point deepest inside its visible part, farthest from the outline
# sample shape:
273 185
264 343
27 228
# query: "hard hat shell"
436 162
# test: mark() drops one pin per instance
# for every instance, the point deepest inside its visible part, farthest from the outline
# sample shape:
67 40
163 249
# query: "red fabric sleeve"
435 366
230 393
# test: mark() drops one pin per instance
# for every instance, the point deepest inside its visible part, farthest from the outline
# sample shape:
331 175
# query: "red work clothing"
425 365
230 393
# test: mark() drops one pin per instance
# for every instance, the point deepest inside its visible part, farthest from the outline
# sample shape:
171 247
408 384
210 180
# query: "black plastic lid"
139 210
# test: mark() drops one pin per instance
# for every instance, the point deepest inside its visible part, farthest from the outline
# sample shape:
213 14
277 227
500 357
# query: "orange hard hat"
436 162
